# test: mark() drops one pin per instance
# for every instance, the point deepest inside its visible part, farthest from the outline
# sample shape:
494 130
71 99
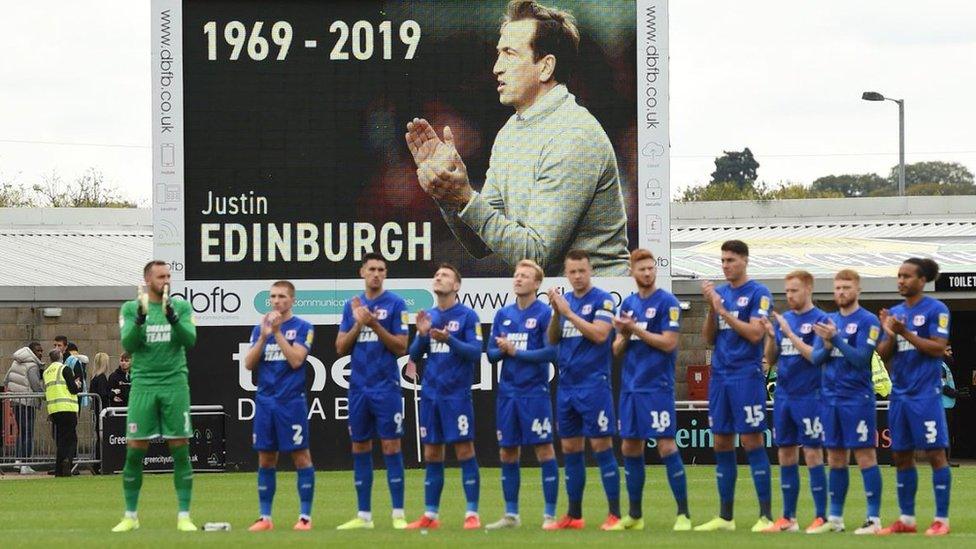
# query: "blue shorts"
850 424
373 415
918 424
446 420
523 420
280 426
737 405
647 415
585 412
796 422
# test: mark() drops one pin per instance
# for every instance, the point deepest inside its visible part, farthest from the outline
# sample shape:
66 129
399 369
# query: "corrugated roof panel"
73 258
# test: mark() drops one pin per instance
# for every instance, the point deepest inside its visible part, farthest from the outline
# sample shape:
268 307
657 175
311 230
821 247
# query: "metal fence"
28 438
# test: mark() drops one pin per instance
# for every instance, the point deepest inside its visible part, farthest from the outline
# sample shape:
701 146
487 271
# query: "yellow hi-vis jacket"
59 398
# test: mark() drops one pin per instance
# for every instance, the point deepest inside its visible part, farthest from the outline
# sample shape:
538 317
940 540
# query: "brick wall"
93 328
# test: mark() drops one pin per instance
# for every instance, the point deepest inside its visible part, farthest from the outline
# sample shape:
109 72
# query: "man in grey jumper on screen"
552 183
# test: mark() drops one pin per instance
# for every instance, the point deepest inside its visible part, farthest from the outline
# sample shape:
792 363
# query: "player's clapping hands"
891 324
440 334
558 302
826 331
266 328
710 295
768 326
423 323
624 324
274 318
783 324
505 346
361 313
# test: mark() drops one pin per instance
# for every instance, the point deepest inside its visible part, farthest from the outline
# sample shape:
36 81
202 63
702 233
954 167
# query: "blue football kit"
375 401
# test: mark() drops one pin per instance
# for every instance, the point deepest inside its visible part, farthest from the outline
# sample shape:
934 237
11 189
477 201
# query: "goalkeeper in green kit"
156 331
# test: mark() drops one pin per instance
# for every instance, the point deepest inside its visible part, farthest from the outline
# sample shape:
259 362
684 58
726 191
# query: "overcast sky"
781 77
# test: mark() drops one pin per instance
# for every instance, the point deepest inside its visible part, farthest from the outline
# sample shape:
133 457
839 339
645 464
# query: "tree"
88 191
719 191
737 167
852 185
14 195
790 191
936 178
754 191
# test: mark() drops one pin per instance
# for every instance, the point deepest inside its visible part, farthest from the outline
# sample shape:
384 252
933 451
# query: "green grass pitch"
80 511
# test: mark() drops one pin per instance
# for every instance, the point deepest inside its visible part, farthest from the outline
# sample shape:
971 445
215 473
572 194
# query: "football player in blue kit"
845 344
374 331
450 335
737 388
582 326
647 338
279 347
916 335
796 410
523 409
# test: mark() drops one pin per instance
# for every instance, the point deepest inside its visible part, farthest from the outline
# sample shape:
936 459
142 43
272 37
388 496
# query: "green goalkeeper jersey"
158 348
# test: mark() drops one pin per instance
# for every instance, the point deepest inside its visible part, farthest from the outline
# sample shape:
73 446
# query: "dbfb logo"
217 300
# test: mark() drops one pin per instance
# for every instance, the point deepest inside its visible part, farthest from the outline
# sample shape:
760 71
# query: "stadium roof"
871 235
45 253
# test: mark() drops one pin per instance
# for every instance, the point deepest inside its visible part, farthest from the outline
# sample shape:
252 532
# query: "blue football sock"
907 485
471 478
362 467
610 474
942 484
433 486
394 478
818 488
511 479
678 481
790 483
550 486
759 466
306 490
575 482
267 484
725 474
634 471
872 489
839 480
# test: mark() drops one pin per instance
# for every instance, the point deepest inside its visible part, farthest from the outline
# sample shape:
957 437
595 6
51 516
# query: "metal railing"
28 436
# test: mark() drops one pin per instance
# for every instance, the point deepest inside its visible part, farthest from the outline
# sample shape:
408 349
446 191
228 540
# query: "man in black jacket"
119 383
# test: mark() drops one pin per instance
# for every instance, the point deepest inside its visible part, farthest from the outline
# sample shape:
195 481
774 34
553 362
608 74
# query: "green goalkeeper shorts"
159 413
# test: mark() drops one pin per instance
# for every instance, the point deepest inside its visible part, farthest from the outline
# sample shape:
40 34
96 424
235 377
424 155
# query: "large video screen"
281 151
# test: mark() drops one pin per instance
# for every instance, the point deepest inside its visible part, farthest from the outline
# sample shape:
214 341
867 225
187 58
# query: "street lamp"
875 96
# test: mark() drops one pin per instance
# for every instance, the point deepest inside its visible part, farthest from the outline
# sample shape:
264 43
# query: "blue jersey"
526 329
915 374
646 368
797 377
374 367
734 356
276 378
583 363
841 379
447 374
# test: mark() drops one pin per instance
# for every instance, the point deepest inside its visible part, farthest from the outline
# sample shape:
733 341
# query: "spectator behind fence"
61 390
120 382
98 384
61 344
78 364
24 376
